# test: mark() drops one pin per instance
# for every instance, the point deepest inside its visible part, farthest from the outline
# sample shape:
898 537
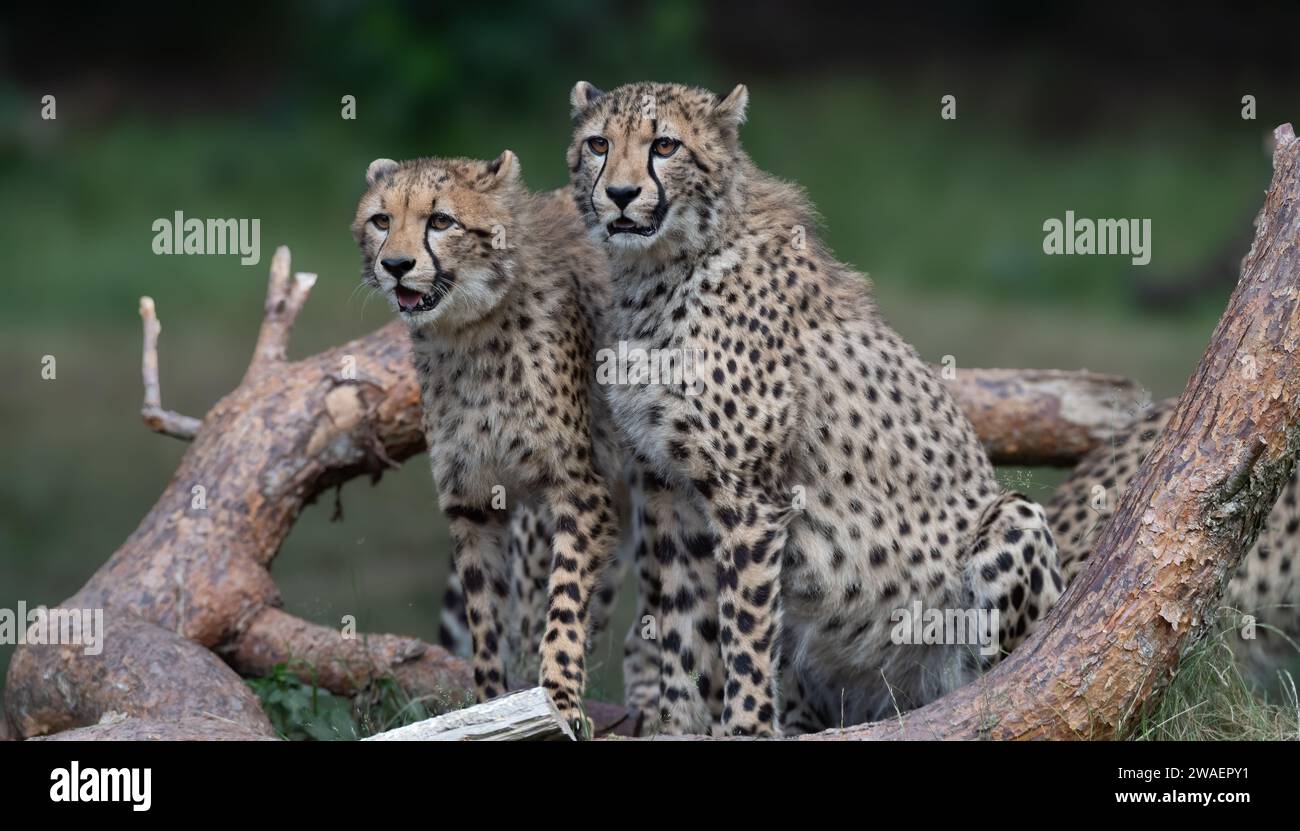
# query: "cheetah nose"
397 266
622 196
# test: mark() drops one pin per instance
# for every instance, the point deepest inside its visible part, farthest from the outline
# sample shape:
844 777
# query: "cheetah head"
435 236
653 165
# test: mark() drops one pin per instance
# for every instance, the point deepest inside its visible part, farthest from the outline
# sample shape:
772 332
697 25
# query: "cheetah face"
651 163
435 236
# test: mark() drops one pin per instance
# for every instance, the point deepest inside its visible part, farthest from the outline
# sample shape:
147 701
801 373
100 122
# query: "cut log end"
528 715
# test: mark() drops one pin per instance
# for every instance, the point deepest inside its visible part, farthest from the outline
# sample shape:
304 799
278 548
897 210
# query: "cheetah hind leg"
453 629
641 658
528 553
1012 568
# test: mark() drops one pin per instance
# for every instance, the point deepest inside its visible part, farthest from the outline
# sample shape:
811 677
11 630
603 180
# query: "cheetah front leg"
750 540
478 551
584 533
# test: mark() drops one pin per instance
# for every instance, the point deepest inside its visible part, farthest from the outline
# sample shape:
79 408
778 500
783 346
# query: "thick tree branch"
347 665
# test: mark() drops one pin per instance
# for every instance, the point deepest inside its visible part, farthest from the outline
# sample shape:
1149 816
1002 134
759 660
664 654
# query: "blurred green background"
1108 111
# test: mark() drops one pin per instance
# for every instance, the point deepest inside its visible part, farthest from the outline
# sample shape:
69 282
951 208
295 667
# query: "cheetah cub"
500 289
812 478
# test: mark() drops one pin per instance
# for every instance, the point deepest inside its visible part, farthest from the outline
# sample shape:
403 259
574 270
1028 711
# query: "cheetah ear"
379 169
504 169
731 110
583 96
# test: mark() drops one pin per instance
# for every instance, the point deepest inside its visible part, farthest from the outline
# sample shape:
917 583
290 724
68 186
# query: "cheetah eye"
598 145
441 222
665 147
380 221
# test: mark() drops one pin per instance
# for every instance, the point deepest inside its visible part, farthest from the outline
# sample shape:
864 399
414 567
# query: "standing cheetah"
1265 585
812 477
500 290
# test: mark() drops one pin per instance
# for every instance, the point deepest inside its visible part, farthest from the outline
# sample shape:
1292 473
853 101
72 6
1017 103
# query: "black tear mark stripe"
591 197
661 207
383 207
438 274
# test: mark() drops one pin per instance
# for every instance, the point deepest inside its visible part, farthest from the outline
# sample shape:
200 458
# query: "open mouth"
411 301
623 225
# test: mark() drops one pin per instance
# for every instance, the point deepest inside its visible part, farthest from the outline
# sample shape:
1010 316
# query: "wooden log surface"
1044 416
143 671
184 729
527 715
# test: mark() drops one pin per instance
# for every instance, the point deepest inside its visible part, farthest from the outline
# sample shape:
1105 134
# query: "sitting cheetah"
500 290
1265 583
811 477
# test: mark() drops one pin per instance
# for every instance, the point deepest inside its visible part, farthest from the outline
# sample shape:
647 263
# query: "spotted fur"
811 476
528 555
502 294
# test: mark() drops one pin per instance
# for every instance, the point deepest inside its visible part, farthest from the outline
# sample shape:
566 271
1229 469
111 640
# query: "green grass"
301 710
1210 699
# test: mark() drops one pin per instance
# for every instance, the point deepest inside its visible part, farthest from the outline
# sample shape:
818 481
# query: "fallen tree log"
198 563
143 672
1044 416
